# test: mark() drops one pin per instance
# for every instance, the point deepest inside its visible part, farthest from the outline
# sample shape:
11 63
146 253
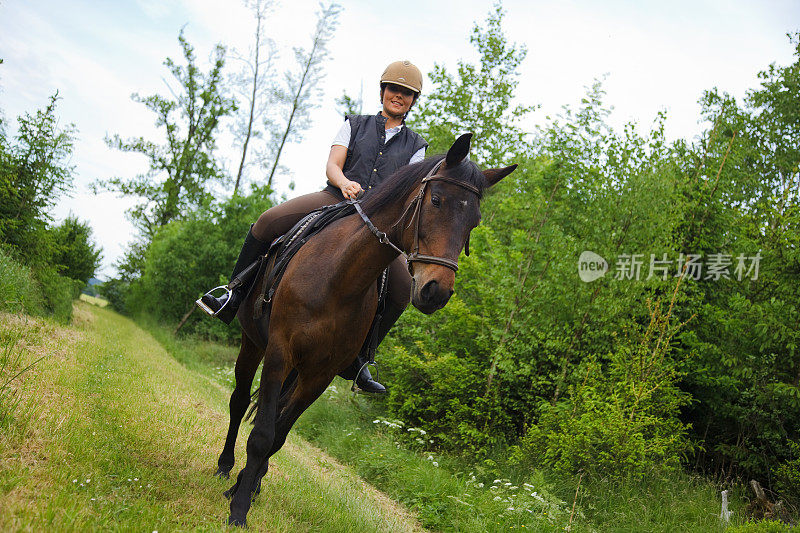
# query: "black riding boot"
364 380
225 306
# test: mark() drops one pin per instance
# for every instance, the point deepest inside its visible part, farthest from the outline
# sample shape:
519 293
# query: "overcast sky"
657 55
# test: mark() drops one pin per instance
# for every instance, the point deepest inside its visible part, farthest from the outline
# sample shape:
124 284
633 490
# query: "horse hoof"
222 474
237 523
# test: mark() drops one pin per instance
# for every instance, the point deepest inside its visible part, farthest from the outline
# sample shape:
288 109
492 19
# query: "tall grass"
36 292
19 290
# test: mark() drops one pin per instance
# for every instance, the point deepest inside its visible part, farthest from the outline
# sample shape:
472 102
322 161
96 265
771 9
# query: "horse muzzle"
431 294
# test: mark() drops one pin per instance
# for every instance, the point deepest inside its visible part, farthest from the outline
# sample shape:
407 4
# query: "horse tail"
289 384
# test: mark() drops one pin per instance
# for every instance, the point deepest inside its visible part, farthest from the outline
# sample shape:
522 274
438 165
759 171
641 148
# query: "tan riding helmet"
403 73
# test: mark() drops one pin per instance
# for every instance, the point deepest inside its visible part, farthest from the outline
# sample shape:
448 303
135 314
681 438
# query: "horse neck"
363 257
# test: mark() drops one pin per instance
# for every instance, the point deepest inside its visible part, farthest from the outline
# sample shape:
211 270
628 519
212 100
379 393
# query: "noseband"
415 206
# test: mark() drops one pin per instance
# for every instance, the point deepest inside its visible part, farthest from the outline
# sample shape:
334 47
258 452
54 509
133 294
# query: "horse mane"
400 183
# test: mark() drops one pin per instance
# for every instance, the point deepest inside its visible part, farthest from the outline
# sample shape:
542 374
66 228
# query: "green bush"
188 257
19 290
59 292
787 475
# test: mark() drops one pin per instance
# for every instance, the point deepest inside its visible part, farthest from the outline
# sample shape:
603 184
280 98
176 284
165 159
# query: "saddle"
271 267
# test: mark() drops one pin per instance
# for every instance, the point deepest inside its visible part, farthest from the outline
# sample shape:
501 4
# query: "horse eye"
436 201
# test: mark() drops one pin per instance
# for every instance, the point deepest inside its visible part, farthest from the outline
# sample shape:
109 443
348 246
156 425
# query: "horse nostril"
429 289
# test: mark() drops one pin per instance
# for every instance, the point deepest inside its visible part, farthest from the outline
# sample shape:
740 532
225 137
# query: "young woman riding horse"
323 307
366 151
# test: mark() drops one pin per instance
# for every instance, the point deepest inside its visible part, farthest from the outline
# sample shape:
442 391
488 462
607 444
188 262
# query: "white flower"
480 485
497 498
496 481
435 463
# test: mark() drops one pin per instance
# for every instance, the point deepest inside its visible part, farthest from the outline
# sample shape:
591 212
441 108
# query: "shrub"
19 291
623 417
58 292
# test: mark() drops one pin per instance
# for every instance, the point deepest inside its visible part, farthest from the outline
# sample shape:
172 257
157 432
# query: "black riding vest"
370 159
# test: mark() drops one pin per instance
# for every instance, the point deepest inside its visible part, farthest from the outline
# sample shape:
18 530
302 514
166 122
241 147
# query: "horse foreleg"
261 438
245 371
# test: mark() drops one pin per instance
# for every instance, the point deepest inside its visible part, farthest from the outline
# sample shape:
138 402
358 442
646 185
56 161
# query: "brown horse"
324 305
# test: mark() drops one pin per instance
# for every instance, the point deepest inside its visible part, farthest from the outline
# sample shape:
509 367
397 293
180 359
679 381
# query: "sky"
653 56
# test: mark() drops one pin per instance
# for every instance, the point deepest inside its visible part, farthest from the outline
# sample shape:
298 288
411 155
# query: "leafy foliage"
76 255
478 98
183 167
34 174
188 256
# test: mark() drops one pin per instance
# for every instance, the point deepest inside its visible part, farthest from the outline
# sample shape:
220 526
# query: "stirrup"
355 388
202 305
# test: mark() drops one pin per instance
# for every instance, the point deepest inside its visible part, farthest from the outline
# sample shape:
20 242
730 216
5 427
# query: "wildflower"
74 480
497 498
514 488
480 485
435 463
496 481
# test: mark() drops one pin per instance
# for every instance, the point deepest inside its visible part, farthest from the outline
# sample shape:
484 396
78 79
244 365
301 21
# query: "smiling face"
397 100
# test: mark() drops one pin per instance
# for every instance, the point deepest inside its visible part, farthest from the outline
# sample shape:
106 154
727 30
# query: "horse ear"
493 175
458 151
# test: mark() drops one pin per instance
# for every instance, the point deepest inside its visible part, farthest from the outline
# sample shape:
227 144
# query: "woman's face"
397 100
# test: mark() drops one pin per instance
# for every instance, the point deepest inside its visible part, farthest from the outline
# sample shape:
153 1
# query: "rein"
416 206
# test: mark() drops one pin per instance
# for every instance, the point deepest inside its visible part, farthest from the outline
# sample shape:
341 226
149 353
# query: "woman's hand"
333 170
350 189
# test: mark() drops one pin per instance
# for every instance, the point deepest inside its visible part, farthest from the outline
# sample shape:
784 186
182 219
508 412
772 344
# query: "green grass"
446 492
94 300
114 434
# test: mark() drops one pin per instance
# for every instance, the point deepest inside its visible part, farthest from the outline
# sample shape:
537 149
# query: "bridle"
415 207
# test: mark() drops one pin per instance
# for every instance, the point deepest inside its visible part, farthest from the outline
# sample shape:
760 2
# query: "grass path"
112 434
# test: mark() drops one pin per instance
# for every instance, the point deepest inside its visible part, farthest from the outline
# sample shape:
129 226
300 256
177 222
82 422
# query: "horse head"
445 210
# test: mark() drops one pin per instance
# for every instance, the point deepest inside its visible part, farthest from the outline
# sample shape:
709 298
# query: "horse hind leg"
261 438
245 370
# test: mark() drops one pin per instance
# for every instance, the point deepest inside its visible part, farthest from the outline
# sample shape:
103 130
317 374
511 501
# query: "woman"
367 150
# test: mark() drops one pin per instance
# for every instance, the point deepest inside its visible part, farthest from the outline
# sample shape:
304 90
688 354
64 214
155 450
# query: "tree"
478 99
76 255
183 167
34 173
300 91
254 85
349 105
